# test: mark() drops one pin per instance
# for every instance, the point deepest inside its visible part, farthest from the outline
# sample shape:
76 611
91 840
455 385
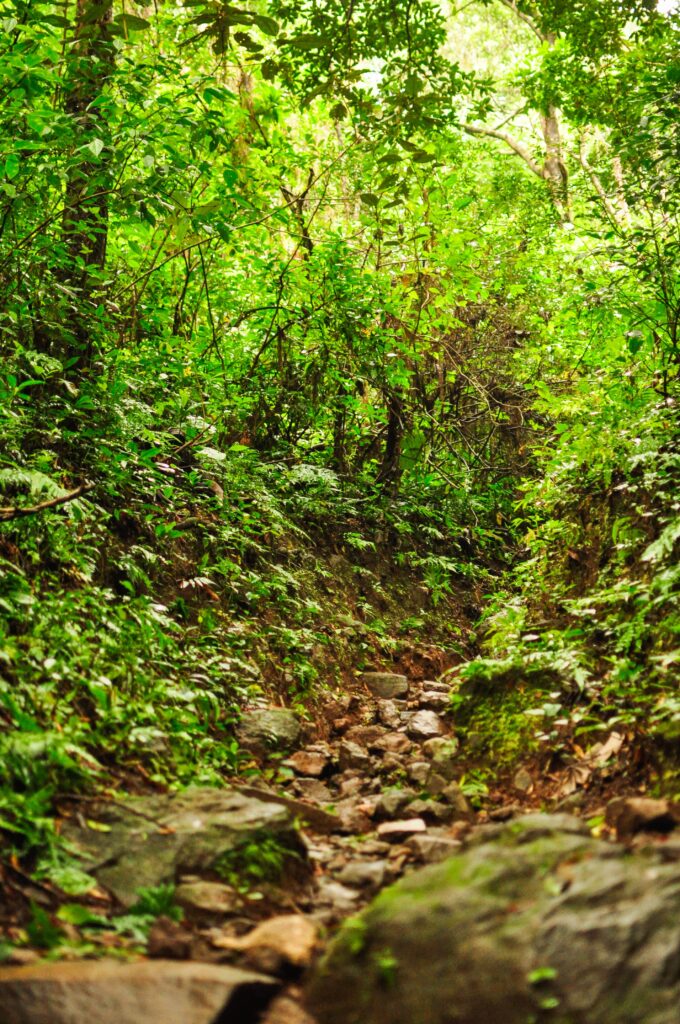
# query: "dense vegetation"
326 329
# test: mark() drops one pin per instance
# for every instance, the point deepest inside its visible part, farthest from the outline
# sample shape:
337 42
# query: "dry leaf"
291 936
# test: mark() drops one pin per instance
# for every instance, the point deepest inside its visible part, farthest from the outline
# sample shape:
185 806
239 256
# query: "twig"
16 512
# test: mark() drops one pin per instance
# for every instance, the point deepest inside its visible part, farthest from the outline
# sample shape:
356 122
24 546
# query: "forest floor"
378 784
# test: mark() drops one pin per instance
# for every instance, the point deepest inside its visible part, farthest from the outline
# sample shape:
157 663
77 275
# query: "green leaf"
76 914
269 69
71 880
12 164
369 199
131 22
307 41
268 25
95 147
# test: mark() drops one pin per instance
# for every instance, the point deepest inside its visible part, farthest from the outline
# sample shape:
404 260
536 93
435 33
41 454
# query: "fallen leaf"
292 937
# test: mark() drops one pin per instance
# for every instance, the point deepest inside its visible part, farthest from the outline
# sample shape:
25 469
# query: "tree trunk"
86 200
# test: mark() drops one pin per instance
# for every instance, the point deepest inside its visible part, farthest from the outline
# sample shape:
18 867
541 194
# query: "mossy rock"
540 923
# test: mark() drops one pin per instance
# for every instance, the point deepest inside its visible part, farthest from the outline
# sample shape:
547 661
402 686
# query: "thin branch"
610 209
526 18
17 512
509 140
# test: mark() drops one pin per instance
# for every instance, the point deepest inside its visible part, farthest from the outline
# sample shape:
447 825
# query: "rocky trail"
501 916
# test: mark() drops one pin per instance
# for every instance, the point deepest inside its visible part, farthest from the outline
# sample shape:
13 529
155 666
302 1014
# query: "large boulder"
386 685
266 729
150 840
157 992
538 923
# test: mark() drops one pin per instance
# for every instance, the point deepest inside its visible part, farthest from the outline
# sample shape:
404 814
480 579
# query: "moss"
494 723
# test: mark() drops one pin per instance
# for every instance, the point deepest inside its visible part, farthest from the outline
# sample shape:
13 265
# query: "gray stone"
337 895
213 897
313 789
395 743
443 752
423 725
398 831
435 783
387 685
151 840
389 713
458 802
432 810
353 815
434 700
352 756
431 849
367 736
538 917
315 817
269 728
392 802
109 992
308 762
363 874
418 772
436 685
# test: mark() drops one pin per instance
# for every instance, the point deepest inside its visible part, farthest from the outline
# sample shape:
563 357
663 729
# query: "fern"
30 481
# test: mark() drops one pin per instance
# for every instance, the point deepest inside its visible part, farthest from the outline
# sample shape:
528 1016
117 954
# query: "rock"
374 848
441 749
286 1010
269 728
387 685
367 736
315 817
352 756
110 992
537 918
389 713
354 815
313 789
434 700
169 940
214 897
522 781
307 762
435 685
432 810
151 840
350 784
435 783
418 772
458 803
505 812
629 815
392 764
431 849
423 725
396 831
392 802
395 743
363 874
287 940
340 897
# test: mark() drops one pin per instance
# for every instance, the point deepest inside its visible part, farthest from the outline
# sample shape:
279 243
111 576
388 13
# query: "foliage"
350 319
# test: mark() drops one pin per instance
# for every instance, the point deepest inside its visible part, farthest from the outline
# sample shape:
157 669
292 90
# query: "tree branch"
526 18
509 140
610 209
17 512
